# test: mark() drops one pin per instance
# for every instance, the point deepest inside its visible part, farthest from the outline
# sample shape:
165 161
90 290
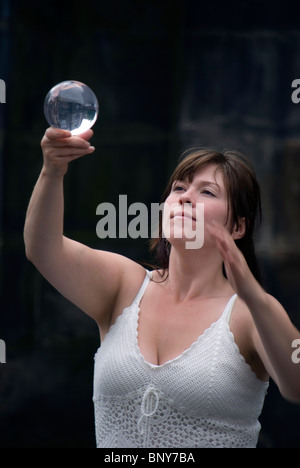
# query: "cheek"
169 206
166 217
215 211
171 199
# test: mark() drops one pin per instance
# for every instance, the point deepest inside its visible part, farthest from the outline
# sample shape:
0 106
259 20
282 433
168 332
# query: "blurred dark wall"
168 76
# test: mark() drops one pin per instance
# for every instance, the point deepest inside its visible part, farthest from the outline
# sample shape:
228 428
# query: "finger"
70 142
87 134
76 156
216 231
60 136
69 152
220 232
223 250
61 144
224 242
54 133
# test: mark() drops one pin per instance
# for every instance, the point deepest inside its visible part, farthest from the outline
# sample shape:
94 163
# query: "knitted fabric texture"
206 397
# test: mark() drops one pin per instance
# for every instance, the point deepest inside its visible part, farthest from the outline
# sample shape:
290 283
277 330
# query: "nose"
186 197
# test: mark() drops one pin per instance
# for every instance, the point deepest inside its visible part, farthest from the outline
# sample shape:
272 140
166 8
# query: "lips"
182 214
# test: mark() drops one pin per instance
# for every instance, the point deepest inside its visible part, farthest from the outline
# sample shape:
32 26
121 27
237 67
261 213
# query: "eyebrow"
208 182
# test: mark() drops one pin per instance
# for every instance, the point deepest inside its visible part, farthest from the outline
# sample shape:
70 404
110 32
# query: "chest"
166 329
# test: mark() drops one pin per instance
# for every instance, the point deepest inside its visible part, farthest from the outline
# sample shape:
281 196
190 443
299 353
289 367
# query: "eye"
178 188
208 192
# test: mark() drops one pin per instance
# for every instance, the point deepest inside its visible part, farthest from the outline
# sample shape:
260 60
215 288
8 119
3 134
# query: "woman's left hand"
275 332
238 273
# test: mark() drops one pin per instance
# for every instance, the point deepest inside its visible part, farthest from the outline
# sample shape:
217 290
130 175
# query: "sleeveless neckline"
225 317
207 396
134 309
180 356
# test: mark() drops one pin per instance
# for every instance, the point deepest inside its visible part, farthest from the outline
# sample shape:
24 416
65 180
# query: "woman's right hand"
98 282
60 147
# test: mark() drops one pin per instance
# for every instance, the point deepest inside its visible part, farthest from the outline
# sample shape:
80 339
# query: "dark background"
168 76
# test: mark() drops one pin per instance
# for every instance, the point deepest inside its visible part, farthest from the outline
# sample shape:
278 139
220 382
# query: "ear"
239 229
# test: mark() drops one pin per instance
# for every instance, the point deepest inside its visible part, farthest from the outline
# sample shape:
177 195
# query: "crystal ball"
71 105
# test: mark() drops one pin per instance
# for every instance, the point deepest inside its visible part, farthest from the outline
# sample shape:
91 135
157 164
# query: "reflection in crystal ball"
72 106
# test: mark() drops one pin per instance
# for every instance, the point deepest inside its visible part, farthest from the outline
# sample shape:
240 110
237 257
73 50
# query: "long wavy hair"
243 194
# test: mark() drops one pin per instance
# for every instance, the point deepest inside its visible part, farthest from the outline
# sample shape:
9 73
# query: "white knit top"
206 397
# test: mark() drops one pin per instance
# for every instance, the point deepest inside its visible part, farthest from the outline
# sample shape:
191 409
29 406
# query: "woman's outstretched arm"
91 279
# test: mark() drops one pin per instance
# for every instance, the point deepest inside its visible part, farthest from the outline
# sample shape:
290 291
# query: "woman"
186 350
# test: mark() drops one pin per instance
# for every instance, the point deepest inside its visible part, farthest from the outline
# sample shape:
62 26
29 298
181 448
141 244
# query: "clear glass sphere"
72 106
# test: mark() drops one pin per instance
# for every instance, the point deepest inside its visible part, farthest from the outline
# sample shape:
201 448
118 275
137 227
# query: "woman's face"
191 206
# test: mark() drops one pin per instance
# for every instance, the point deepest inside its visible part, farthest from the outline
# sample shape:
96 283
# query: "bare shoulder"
241 322
132 275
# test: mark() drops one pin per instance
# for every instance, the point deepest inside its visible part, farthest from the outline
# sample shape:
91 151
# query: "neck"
196 273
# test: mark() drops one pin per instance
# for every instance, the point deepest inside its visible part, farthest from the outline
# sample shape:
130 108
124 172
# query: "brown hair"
243 195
